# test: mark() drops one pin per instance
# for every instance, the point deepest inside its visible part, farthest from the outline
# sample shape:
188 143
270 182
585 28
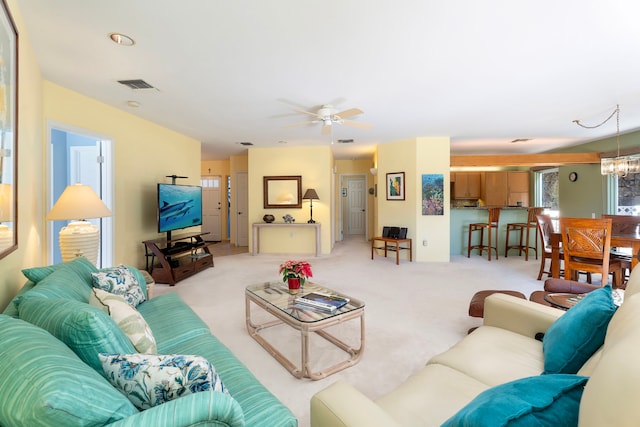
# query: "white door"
211 208
242 204
356 206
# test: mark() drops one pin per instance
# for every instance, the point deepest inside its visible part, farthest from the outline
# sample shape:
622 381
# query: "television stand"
179 257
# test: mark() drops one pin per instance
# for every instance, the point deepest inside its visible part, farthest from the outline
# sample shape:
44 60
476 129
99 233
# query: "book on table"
322 301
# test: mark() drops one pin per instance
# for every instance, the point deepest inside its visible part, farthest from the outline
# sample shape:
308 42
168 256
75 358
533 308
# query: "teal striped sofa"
49 374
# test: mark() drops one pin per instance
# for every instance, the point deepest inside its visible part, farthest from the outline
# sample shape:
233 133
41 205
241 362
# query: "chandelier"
619 165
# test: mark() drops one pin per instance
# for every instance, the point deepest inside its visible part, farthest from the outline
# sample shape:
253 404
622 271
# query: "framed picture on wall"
433 194
395 186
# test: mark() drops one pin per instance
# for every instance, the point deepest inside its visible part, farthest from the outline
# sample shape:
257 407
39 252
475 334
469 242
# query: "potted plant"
295 273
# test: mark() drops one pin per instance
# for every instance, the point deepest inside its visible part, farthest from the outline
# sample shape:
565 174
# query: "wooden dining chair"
524 229
545 228
490 226
586 243
623 224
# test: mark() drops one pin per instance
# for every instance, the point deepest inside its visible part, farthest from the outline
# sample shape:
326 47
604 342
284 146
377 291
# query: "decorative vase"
268 218
294 284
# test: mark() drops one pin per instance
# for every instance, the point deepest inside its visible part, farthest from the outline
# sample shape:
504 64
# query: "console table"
258 226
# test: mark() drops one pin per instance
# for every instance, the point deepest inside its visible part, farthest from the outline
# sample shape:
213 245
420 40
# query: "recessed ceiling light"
121 39
133 104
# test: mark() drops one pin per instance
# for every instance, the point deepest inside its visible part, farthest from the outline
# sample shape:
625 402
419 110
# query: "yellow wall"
415 157
314 164
30 161
432 155
144 154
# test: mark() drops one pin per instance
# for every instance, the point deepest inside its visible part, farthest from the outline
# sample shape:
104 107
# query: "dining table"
618 240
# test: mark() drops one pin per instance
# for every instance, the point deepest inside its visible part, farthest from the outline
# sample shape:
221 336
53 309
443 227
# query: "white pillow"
127 318
120 281
150 380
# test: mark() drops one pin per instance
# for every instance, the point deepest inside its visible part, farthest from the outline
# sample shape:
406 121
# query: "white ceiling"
227 71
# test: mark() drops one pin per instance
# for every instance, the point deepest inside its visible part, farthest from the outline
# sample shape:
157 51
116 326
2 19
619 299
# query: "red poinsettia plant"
295 269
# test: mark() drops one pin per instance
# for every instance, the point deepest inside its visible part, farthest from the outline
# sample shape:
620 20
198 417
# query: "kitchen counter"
461 217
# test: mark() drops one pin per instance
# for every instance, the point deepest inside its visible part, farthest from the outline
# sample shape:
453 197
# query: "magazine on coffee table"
322 301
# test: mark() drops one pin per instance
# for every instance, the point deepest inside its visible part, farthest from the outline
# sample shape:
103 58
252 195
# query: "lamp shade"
78 202
310 194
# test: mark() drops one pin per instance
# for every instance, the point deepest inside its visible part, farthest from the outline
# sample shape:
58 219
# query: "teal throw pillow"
150 380
87 330
572 339
544 400
80 265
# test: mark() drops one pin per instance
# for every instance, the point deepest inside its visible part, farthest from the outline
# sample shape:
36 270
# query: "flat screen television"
179 206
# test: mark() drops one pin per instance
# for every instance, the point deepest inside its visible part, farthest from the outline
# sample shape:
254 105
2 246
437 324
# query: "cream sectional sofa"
503 349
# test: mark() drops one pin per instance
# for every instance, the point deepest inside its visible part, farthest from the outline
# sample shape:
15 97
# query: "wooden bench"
391 244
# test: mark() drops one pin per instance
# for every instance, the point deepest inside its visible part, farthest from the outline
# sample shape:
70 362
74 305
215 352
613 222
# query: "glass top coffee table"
274 298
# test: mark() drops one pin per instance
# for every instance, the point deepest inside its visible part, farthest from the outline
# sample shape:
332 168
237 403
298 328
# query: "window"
546 191
628 200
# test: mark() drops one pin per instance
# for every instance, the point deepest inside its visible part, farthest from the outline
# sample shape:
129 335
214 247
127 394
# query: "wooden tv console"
180 257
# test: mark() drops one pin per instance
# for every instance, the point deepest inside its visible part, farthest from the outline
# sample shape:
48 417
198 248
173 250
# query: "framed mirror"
8 133
282 191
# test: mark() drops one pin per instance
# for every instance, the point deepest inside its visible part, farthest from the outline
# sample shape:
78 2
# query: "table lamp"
310 195
79 238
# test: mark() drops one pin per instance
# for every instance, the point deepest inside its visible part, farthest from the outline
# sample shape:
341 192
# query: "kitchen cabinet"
518 188
495 189
506 188
466 185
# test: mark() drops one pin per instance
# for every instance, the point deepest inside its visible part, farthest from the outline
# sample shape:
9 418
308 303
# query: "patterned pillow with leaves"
150 380
120 281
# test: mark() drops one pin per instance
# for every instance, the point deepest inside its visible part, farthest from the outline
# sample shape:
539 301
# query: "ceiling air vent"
246 143
136 84
345 141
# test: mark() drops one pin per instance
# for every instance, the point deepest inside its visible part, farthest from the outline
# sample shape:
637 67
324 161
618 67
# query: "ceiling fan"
328 116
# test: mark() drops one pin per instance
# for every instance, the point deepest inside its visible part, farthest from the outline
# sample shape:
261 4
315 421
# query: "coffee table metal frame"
275 299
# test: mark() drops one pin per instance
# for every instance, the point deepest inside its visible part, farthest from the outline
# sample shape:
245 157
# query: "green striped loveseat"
49 340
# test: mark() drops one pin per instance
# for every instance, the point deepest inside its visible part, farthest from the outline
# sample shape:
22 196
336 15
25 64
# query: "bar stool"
494 216
524 228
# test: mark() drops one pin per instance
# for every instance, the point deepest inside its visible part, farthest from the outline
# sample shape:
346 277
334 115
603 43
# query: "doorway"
212 207
79 156
353 205
242 206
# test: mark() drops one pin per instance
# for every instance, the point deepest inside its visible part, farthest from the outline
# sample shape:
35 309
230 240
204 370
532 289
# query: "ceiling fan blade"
307 112
349 113
357 124
300 124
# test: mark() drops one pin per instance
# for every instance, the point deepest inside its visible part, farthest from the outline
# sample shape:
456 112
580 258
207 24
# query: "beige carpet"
413 311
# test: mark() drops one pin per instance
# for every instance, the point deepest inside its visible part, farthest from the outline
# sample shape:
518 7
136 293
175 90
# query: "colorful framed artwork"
395 186
433 194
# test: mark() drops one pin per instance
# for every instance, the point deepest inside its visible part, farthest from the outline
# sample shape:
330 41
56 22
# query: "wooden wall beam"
551 159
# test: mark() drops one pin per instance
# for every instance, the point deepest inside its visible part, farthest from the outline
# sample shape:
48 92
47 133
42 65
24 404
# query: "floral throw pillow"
120 281
150 380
